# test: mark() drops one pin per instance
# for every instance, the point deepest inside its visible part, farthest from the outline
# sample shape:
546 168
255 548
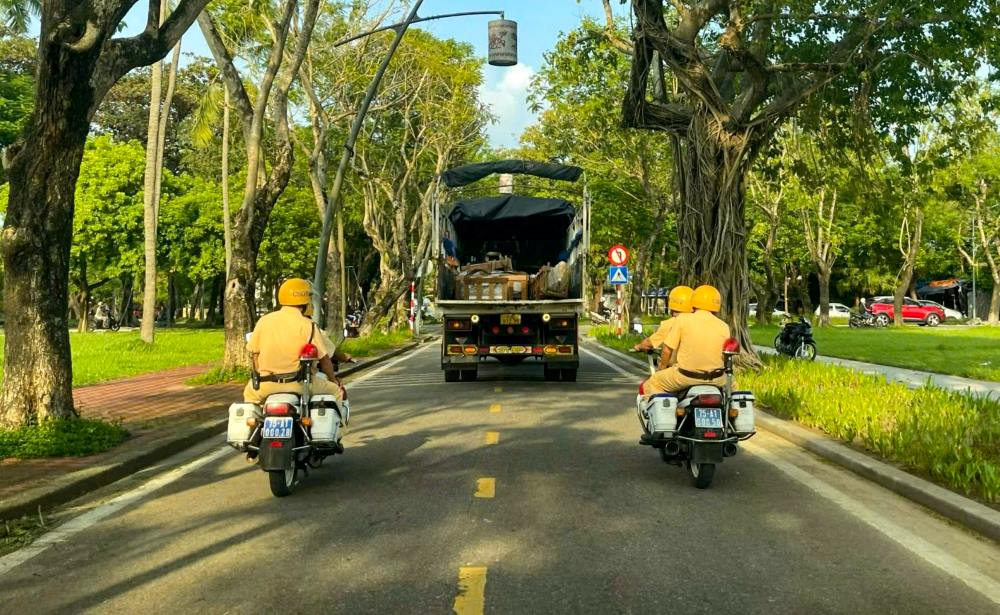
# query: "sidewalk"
156 409
910 377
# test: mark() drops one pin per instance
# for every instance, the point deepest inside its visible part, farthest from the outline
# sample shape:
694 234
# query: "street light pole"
333 198
972 236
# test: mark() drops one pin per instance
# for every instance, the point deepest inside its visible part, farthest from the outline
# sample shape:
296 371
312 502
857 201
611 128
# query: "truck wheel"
469 375
569 375
552 375
451 375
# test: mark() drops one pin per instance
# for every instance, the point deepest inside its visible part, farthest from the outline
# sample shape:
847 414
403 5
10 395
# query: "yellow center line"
492 437
471 596
494 408
486 487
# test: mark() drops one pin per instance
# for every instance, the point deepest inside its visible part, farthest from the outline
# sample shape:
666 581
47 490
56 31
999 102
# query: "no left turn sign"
618 255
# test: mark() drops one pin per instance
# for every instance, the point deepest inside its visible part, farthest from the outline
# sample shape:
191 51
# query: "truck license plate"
510 319
708 418
279 428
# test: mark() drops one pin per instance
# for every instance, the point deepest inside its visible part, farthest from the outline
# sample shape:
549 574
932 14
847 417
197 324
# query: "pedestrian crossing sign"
618 274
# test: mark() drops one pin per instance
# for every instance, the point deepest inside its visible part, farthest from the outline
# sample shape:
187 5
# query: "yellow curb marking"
492 437
471 596
486 487
494 408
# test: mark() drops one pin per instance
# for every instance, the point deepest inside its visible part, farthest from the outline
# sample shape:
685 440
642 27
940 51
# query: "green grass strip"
61 438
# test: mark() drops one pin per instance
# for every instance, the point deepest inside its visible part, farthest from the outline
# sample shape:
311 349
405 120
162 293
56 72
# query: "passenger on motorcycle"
678 302
696 344
277 341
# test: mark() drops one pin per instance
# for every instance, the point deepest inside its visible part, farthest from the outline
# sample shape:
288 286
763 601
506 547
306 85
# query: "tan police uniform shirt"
279 337
697 340
659 337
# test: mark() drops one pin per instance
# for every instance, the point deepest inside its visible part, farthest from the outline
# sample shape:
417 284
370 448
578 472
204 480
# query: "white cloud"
505 91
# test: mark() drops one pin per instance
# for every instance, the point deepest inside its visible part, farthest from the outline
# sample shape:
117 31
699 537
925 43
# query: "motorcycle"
698 427
864 319
352 325
292 432
796 340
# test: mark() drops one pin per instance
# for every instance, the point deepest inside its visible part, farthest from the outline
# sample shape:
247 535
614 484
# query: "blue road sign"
618 274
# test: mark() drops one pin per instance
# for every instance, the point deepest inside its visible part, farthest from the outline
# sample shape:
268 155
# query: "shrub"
60 438
954 437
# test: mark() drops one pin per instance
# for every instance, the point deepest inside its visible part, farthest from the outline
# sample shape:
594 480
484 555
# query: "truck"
511 269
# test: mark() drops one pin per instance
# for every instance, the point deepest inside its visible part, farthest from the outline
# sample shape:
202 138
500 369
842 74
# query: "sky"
505 90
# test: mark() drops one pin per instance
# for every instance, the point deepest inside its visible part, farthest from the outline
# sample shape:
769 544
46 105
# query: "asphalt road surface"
507 495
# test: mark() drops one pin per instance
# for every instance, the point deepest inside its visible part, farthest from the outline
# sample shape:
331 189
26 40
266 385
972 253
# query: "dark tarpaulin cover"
510 207
465 175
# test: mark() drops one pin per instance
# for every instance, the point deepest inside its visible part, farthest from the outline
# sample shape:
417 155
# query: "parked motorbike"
698 427
859 320
291 433
796 340
352 325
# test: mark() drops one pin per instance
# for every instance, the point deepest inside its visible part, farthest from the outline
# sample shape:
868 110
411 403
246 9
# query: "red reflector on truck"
564 349
456 349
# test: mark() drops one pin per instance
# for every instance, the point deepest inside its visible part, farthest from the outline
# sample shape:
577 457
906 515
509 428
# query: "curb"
75 484
963 510
969 513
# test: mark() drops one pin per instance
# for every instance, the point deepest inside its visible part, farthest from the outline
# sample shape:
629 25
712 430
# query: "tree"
262 189
16 89
78 62
741 69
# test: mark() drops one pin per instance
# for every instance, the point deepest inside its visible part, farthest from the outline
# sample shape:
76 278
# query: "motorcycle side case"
328 416
659 414
237 431
743 402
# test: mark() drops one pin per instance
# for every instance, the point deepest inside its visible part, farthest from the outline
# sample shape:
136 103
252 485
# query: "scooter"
291 433
863 319
700 426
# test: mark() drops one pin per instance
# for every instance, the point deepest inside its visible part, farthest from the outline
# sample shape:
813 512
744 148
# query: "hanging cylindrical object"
503 42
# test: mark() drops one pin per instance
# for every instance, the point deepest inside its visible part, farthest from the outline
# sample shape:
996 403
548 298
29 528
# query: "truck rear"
511 274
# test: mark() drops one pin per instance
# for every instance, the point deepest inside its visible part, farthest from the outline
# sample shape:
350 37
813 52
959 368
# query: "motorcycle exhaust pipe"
672 448
729 449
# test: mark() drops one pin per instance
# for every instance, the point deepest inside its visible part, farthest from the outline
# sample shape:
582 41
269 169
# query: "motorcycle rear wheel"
702 474
282 482
777 342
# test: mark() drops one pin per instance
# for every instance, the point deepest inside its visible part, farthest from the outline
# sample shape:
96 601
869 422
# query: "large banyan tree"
723 75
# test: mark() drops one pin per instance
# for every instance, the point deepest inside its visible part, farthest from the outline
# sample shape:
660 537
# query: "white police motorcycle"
292 432
700 426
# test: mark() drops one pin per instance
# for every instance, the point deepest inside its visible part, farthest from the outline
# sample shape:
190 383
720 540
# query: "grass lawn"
98 357
970 352
376 343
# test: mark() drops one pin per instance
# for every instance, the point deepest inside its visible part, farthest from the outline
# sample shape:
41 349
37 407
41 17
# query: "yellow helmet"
295 291
680 299
706 297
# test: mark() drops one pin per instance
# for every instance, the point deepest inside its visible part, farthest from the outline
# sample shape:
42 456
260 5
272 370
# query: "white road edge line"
89 518
76 525
931 554
618 369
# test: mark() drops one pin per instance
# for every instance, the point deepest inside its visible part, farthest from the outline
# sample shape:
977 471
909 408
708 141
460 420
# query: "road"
508 495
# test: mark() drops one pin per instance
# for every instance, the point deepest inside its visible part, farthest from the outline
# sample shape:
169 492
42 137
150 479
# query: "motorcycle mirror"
247 337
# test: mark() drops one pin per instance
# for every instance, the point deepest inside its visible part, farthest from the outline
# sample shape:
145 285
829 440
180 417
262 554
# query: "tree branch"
224 60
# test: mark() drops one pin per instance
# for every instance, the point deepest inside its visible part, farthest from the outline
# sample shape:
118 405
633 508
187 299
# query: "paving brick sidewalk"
152 407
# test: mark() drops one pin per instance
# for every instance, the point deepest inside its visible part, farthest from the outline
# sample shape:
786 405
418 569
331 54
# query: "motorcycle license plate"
510 319
708 418
279 428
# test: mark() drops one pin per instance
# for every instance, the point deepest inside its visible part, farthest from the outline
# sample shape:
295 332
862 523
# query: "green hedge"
60 438
953 437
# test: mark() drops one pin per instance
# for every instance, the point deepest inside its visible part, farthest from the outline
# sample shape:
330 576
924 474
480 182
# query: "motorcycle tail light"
734 412
251 422
680 412
278 408
307 421
710 434
708 399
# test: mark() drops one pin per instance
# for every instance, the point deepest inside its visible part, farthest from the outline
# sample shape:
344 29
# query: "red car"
883 309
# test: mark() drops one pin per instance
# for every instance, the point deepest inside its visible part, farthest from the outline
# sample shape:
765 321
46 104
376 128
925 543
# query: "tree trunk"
765 302
239 302
147 328
227 220
824 296
994 317
38 228
909 262
711 223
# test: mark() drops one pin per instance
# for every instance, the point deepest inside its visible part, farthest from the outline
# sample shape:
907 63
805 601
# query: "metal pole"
319 280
